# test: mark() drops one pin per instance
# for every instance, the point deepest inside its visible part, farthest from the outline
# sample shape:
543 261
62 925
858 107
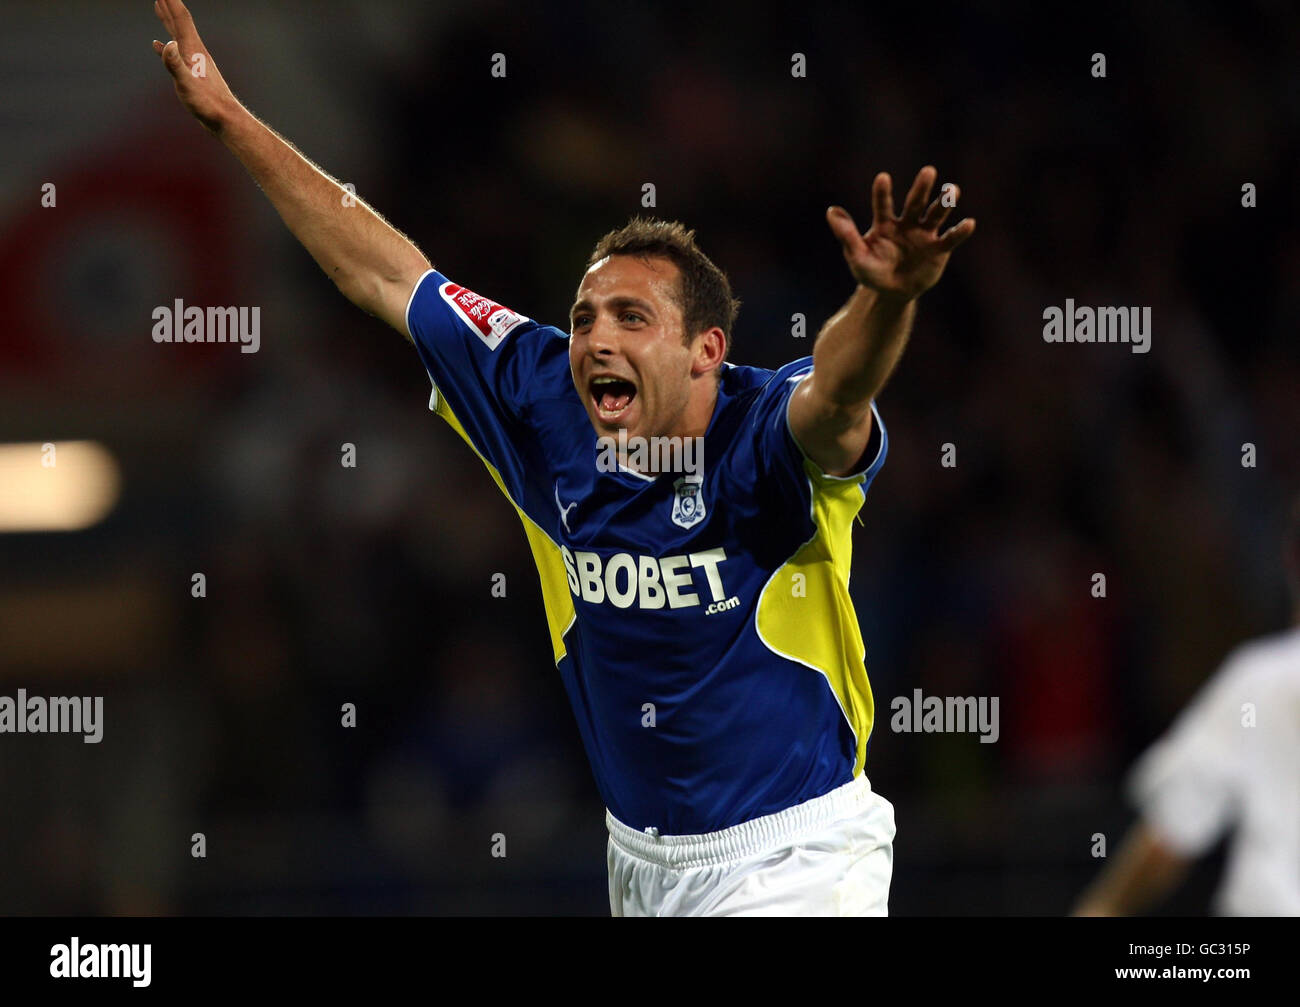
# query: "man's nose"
602 340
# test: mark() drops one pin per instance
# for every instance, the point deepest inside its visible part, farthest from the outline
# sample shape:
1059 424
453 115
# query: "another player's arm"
1143 872
895 262
373 264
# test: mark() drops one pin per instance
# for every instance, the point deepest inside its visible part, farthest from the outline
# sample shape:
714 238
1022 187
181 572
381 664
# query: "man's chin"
613 432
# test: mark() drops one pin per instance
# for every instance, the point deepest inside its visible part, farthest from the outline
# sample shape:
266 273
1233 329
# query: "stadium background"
372 585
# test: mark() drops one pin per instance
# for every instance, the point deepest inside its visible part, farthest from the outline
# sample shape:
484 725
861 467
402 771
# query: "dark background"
372 585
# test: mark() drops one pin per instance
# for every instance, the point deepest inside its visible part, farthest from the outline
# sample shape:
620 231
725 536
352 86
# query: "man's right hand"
199 83
373 264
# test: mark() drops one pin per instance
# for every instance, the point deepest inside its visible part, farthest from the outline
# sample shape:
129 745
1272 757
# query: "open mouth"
611 396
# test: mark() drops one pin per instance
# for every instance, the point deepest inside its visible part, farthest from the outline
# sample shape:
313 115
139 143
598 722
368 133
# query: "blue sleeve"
488 364
778 457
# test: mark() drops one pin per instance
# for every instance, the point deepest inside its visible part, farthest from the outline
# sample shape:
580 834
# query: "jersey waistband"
747 839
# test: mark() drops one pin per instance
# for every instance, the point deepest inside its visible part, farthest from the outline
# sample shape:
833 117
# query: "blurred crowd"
372 585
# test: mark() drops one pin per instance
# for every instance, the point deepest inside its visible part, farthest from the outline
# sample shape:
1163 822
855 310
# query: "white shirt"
1232 758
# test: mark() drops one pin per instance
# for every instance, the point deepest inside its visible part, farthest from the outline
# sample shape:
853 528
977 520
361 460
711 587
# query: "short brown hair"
704 293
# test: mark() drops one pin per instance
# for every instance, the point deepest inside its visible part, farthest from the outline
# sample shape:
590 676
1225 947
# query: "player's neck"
699 411
688 433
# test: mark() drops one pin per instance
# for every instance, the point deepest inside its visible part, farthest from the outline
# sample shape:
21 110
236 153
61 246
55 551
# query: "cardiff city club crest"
688 503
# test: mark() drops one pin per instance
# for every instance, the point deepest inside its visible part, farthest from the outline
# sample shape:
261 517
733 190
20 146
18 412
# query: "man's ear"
710 350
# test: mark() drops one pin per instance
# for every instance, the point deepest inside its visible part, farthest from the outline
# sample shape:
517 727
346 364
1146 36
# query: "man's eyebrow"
614 302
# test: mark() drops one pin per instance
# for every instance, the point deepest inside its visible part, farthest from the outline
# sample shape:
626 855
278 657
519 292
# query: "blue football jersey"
702 626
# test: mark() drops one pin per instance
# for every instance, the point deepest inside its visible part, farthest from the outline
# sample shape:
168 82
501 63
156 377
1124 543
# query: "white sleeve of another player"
1187 784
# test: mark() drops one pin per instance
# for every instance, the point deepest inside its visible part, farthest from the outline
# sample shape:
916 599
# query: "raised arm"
373 264
894 263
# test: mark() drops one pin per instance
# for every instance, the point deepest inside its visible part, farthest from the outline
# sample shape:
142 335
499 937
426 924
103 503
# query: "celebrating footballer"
700 619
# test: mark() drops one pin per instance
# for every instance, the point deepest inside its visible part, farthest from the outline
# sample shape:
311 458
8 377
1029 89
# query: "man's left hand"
901 257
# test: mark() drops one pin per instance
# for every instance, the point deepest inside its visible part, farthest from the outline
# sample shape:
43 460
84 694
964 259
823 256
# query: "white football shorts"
830 856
